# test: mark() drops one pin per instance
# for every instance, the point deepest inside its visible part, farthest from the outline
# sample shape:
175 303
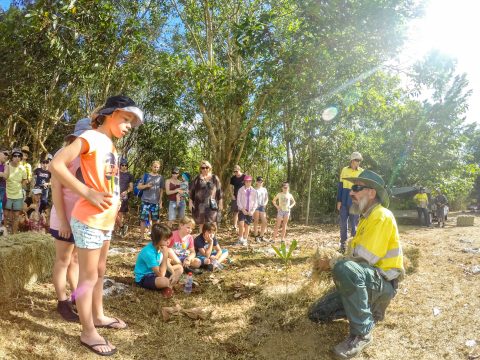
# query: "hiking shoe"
193 271
242 242
65 309
352 346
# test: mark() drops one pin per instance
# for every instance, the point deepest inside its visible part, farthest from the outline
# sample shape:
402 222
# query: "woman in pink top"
182 248
66 262
94 213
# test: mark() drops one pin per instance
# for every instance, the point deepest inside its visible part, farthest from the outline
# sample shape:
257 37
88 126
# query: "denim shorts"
260 208
14 204
282 214
87 237
248 219
203 258
173 208
147 209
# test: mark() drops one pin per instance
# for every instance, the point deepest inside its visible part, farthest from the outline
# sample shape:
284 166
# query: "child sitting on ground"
182 249
35 220
208 250
184 186
152 268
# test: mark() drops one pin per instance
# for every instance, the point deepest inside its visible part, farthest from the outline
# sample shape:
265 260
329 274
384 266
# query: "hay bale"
24 258
465 220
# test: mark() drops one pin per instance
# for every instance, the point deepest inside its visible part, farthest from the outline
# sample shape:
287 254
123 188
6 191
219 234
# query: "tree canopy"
287 89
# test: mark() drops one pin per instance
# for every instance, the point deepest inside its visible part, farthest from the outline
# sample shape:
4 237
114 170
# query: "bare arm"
59 169
57 196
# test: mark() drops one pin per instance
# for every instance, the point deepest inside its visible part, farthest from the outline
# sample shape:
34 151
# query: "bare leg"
284 227
275 229
72 271
88 262
263 227
98 315
15 221
256 216
235 219
142 230
240 229
63 257
246 230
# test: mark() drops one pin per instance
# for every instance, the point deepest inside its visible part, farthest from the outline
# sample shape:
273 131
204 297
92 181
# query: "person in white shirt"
247 204
260 214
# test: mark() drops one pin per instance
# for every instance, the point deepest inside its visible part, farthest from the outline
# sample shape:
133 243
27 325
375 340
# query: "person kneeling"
367 277
152 269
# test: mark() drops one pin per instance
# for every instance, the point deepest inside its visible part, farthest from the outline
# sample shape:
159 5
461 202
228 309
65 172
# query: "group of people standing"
424 205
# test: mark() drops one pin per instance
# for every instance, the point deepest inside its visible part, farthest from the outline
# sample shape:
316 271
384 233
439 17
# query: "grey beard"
359 207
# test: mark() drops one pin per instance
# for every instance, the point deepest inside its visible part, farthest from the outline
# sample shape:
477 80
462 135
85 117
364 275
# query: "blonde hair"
157 162
187 220
205 162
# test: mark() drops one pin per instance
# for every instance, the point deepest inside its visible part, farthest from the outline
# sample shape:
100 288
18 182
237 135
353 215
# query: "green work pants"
361 296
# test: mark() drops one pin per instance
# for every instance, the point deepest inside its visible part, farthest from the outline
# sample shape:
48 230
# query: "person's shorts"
57 236
87 237
176 211
148 281
214 253
124 206
260 208
14 204
147 209
233 206
283 214
248 219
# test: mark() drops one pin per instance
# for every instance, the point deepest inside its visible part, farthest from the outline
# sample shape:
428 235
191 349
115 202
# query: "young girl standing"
283 201
66 262
93 216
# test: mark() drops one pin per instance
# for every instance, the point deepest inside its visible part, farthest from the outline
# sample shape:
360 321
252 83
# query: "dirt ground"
257 314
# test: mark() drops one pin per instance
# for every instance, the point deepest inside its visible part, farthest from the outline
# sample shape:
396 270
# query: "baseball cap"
16 151
356 156
81 126
123 103
123 161
175 170
247 178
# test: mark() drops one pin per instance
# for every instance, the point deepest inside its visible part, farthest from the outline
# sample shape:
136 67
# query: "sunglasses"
175 173
204 167
358 188
16 155
45 162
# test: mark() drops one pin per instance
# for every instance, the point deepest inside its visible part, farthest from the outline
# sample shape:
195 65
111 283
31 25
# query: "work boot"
352 346
65 309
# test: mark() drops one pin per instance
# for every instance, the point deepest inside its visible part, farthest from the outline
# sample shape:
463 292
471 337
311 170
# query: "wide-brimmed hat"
81 126
123 103
25 149
374 181
356 156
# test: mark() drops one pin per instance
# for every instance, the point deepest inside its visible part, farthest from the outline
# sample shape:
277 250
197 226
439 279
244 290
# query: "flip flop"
109 326
92 348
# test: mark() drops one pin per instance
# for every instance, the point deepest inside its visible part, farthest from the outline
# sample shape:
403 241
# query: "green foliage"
284 253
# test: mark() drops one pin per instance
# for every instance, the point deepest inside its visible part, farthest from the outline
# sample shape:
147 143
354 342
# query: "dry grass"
268 320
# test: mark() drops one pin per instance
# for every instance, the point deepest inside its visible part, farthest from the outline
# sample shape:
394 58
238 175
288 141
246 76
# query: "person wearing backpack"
152 185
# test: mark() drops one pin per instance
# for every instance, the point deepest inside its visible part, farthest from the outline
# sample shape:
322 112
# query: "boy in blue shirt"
152 269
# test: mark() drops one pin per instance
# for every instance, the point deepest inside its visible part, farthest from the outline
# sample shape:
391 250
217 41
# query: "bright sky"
452 27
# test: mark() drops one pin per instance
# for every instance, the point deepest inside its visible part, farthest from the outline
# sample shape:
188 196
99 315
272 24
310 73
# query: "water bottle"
216 264
188 284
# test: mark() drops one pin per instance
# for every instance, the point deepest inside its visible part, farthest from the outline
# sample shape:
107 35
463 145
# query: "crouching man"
366 278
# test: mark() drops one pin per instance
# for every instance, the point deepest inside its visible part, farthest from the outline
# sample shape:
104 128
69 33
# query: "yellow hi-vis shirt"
377 242
421 200
347 172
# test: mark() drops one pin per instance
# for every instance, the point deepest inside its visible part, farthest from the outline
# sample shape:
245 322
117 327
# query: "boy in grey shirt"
151 198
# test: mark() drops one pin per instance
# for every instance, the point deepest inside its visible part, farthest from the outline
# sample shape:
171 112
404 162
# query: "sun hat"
25 149
247 178
81 126
175 170
356 156
123 103
374 181
36 191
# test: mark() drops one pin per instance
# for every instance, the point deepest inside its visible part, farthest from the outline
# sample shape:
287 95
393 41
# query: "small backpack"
136 191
